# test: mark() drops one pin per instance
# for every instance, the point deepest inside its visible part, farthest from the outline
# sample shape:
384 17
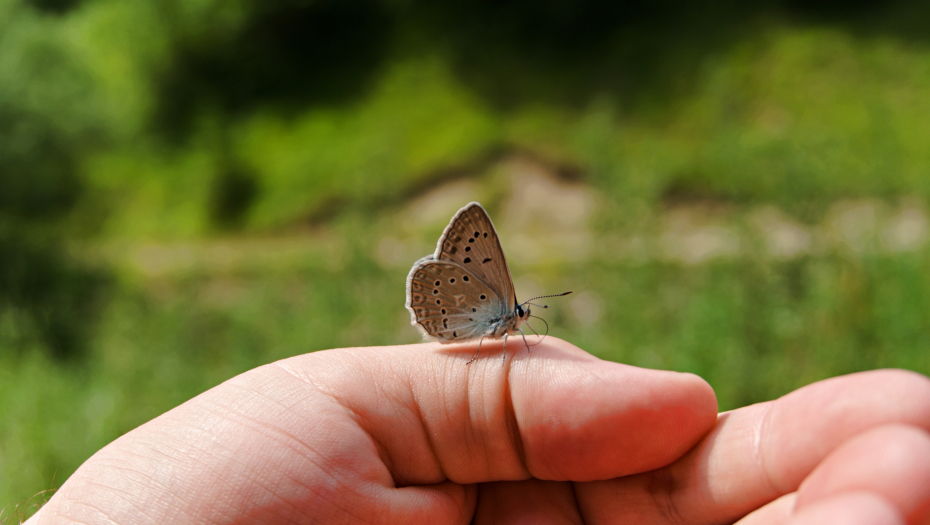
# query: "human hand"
411 434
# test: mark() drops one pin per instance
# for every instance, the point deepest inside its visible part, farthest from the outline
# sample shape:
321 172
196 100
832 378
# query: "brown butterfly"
464 290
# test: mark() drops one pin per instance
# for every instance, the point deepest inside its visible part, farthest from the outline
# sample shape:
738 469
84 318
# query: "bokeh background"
193 188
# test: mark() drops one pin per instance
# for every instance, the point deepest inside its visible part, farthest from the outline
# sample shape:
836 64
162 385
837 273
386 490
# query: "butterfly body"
464 290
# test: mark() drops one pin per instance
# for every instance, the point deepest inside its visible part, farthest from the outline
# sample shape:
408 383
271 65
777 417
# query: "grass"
796 115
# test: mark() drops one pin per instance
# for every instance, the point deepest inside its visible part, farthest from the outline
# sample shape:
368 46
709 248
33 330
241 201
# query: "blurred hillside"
191 189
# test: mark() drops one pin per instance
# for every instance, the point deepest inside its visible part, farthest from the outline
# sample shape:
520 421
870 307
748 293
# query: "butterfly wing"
448 302
471 241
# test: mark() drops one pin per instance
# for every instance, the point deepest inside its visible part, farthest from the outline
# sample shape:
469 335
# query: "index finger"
762 452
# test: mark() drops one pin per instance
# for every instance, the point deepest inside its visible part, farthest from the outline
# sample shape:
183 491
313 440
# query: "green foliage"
132 127
757 330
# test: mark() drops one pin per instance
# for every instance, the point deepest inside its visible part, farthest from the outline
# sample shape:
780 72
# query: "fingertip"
700 392
890 460
587 419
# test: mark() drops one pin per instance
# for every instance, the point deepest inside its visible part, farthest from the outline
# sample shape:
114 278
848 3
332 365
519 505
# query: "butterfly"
464 290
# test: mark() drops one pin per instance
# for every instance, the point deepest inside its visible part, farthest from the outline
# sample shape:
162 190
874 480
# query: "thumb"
390 431
557 413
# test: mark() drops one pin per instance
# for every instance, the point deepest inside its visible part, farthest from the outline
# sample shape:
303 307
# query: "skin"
410 434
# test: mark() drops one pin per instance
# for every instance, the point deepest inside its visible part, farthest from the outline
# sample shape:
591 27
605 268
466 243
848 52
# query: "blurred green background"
193 188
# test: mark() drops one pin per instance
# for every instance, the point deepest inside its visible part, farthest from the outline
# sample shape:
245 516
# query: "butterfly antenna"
530 302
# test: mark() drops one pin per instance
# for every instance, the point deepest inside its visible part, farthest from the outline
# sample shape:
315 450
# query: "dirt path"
546 220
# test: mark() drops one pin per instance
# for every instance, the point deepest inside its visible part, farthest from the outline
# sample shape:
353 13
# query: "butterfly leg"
504 357
476 351
524 339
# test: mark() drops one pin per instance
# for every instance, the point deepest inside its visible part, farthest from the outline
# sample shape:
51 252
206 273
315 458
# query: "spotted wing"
448 302
471 241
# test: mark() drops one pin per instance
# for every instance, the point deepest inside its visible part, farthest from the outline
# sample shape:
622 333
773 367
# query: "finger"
759 453
806 425
556 414
849 508
892 461
530 501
